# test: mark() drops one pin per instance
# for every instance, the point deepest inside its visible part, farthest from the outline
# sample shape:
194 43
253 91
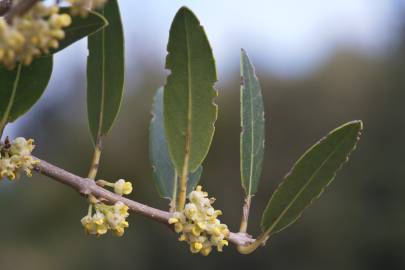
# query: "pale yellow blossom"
16 157
198 224
106 217
28 36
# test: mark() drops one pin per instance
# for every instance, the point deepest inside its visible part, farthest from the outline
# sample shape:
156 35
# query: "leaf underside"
189 109
253 127
310 175
105 72
164 173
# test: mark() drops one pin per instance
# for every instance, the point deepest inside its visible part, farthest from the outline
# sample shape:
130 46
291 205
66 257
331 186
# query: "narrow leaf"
164 174
80 27
21 88
189 109
105 72
253 130
311 174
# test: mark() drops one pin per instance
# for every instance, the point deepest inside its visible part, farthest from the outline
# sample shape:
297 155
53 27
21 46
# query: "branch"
87 186
20 8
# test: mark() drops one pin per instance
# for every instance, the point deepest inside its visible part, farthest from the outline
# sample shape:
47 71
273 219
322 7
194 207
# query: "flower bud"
122 187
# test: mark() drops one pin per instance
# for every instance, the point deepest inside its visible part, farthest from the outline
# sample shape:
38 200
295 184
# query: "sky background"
290 38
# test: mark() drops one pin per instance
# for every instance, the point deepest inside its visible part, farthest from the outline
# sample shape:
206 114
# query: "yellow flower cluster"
82 7
106 217
198 224
16 156
33 34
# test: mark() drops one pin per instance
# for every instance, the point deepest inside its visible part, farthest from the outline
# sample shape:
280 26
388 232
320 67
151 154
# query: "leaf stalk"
245 215
96 160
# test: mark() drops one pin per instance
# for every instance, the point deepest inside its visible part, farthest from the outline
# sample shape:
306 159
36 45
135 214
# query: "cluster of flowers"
108 217
16 156
32 34
198 224
82 7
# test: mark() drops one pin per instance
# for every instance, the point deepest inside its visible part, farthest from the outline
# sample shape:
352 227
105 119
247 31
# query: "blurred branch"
87 186
5 5
19 9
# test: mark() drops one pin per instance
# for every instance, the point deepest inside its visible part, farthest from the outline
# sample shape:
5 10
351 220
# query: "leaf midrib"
11 100
101 115
309 181
252 137
187 147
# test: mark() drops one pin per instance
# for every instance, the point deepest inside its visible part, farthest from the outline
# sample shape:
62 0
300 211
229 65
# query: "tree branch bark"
87 186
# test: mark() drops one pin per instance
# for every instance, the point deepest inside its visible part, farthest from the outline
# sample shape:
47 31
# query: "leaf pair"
21 87
310 175
184 113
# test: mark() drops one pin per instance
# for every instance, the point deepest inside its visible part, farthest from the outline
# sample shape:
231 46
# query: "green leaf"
105 72
253 129
21 88
311 174
80 27
164 174
189 108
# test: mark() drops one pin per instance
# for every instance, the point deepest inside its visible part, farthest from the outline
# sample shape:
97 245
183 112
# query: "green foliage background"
357 224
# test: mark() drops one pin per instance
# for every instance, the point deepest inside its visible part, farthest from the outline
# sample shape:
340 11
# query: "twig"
96 159
245 215
87 186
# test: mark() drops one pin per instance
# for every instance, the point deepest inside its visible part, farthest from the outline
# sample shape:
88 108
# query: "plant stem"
184 174
96 160
6 114
245 215
247 249
88 187
183 188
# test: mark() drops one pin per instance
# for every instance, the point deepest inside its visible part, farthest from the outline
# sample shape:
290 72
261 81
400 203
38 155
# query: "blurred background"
321 64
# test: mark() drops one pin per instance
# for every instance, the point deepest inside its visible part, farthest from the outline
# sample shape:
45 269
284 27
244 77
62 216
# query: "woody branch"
86 186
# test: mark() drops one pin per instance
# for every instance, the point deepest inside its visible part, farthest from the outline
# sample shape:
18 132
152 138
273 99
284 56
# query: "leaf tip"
185 11
244 55
358 123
